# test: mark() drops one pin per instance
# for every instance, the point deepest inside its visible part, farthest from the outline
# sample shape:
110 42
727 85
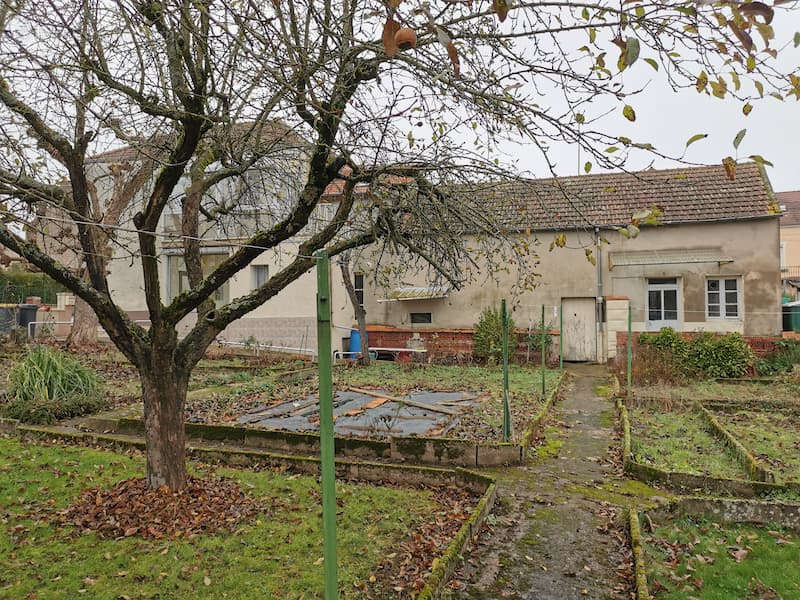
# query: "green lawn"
485 422
277 556
699 559
773 437
678 441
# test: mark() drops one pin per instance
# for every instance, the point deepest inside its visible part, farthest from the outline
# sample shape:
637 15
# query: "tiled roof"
685 195
791 200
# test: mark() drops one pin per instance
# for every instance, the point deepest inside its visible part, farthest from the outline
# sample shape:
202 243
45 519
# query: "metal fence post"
544 364
630 346
326 427
506 408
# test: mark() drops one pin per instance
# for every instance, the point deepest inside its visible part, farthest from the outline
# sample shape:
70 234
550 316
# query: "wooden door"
580 329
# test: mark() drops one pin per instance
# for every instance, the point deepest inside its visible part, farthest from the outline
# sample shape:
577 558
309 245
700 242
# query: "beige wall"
566 273
790 237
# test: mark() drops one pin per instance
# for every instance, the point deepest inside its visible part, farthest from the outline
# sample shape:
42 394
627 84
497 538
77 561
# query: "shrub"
667 356
48 385
488 340
713 355
782 360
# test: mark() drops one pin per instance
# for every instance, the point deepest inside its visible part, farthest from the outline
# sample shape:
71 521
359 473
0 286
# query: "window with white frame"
260 275
662 302
722 297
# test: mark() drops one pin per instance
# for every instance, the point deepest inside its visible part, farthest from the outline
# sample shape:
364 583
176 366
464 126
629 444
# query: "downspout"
599 299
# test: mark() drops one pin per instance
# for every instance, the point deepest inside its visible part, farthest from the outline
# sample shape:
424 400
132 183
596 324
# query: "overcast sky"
667 119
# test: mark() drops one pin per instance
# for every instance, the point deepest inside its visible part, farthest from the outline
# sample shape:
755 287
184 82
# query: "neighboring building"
790 242
712 265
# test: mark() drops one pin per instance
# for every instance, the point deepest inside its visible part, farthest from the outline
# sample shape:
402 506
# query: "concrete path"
553 535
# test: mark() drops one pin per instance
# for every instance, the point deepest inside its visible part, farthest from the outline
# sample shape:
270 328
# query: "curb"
756 471
537 421
735 510
444 567
639 570
681 482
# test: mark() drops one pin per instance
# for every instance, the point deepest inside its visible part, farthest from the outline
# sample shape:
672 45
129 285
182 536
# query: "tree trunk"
84 326
164 394
360 313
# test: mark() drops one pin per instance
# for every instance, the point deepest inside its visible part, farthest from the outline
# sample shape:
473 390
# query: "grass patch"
277 556
701 559
678 441
774 438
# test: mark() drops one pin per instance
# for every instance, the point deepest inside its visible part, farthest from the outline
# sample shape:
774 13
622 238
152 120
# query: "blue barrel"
355 342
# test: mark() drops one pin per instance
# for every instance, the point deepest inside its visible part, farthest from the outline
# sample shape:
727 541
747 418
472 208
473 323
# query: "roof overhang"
404 294
668 257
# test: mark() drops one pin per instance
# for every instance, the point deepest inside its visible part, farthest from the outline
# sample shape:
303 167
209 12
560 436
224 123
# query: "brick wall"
450 344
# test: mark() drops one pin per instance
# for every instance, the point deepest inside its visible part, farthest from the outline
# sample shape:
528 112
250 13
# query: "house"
790 242
711 265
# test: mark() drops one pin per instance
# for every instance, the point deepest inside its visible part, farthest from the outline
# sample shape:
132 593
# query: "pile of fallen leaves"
404 571
131 509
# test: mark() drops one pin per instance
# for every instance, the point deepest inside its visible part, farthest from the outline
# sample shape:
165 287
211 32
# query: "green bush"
713 355
707 355
48 385
488 340
782 360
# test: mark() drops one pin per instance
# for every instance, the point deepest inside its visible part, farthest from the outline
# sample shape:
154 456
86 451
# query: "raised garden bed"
772 437
715 549
392 541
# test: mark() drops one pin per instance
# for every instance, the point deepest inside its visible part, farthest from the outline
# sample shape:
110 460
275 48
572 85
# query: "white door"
579 329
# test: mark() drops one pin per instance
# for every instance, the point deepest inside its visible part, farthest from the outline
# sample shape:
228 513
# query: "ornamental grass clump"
48 385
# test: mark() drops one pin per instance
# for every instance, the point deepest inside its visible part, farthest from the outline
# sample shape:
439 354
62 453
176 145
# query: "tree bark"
358 310
84 325
164 386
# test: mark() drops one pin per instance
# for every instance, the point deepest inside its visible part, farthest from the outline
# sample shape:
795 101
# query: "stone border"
682 482
756 471
723 510
8 426
639 570
537 421
442 567
412 449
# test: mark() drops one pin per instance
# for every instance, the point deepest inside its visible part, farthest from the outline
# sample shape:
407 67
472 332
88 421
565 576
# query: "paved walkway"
554 536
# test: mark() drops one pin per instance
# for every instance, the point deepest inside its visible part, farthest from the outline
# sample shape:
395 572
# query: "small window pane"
420 317
670 305
731 310
260 275
713 310
663 281
731 297
730 284
713 297
713 285
654 303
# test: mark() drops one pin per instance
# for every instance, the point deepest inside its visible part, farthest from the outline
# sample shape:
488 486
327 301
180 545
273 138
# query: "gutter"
599 297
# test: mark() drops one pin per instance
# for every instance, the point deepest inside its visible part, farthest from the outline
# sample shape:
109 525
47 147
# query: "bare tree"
398 103
358 307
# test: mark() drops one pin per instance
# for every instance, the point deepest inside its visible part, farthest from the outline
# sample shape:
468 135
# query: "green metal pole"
561 336
542 351
506 408
326 426
630 347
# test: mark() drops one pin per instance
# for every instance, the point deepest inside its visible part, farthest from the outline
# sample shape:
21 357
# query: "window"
260 275
662 302
358 285
420 317
722 298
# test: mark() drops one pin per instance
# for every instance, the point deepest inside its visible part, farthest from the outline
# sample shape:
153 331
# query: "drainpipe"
599 299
